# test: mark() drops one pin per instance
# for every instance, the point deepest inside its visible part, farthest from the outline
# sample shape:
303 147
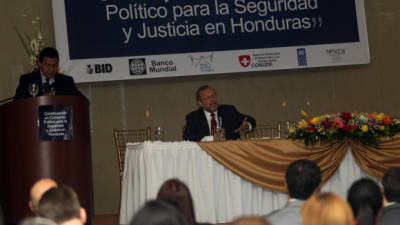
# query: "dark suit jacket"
63 85
390 215
197 125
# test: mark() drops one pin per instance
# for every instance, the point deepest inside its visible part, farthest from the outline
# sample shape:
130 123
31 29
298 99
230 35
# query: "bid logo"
244 60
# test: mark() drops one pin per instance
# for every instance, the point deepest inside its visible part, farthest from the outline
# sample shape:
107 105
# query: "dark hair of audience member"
37 221
176 193
157 212
60 204
365 199
391 184
302 178
326 209
49 52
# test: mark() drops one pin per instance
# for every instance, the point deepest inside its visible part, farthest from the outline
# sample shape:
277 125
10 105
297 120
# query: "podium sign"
55 123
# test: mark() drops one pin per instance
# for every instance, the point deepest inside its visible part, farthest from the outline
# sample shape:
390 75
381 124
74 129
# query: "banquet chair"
265 130
124 136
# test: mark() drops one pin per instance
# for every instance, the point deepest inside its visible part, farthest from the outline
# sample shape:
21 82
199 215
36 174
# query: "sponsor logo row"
205 63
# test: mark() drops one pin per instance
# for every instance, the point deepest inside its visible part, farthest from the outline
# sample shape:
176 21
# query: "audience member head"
61 204
176 193
365 198
37 190
326 209
302 178
391 184
251 220
37 221
157 212
207 98
48 62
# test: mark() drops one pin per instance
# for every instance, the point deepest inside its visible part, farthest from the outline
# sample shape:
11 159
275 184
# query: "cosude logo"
99 68
302 57
244 60
137 66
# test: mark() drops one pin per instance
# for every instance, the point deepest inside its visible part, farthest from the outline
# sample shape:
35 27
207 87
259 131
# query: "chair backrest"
265 130
124 136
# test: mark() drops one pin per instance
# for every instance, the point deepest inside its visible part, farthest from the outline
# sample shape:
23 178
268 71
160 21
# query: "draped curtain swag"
264 162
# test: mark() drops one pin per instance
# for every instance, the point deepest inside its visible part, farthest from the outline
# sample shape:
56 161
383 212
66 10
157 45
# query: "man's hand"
243 127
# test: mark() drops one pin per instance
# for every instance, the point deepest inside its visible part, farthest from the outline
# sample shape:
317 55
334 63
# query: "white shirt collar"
52 80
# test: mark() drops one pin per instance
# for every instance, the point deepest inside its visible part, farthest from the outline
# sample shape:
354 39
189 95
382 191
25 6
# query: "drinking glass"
219 133
159 134
33 89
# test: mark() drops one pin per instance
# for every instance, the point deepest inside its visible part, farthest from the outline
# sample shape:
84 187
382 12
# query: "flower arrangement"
366 128
32 44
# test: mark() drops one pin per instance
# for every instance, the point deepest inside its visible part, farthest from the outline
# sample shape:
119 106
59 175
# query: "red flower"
347 127
386 120
346 117
327 123
310 128
355 112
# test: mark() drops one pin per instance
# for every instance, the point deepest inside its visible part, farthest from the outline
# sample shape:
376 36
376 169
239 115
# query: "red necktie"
213 123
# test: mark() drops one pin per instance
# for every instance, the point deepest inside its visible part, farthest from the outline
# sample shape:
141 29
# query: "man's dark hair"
302 177
202 88
158 212
365 199
391 184
48 52
60 204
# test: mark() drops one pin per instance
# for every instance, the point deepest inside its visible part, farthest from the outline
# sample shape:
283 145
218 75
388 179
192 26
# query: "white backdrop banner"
104 40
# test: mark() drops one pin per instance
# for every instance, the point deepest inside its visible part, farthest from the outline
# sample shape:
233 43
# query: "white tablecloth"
219 195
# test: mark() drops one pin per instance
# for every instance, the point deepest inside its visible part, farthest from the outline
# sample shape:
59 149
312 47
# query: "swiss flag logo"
244 60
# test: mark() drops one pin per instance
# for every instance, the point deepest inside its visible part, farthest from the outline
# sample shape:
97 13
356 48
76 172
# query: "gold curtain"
264 162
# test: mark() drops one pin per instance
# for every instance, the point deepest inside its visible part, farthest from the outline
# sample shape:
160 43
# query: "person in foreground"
391 197
49 81
303 178
326 209
37 190
158 212
61 205
365 199
203 122
176 193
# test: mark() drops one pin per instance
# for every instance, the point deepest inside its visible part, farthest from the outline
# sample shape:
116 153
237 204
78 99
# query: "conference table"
219 193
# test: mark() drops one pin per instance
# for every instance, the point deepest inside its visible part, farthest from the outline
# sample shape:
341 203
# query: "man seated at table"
47 78
202 123
302 180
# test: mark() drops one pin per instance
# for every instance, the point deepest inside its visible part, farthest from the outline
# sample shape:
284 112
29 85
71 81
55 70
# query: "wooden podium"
24 158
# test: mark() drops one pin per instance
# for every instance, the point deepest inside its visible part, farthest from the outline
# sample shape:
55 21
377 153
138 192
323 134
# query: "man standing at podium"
202 123
47 79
